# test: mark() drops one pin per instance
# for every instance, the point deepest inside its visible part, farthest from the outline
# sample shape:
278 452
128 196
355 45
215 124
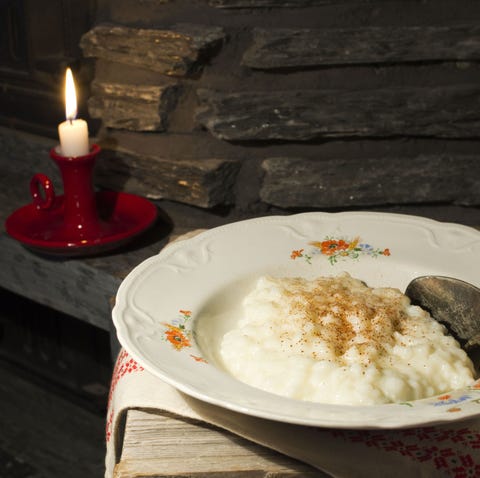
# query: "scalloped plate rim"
271 406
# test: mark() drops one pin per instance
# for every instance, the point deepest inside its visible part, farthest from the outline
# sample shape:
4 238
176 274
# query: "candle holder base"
121 217
81 221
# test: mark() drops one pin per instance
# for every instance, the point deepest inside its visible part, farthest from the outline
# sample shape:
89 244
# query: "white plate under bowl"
164 308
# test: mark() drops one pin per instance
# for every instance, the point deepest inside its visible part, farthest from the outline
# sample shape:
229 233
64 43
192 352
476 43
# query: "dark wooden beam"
201 182
132 107
288 48
173 52
422 179
301 115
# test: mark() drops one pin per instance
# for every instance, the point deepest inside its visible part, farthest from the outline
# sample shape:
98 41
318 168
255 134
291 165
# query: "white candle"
73 132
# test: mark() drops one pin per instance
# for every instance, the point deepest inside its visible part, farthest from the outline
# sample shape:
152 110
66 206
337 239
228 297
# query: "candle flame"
70 96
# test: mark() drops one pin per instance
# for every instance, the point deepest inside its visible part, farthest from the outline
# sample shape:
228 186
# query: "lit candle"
73 132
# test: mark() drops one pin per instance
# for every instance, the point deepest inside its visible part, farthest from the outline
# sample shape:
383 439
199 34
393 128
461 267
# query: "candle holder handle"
81 220
42 191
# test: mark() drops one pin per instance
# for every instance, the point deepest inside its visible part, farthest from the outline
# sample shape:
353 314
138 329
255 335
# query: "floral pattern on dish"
448 399
179 334
451 401
336 249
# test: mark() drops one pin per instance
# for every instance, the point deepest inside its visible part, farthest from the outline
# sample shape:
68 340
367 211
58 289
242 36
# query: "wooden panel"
300 115
37 41
286 48
157 445
297 182
51 434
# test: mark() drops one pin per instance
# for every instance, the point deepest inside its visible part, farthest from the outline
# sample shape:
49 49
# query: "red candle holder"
80 215
81 221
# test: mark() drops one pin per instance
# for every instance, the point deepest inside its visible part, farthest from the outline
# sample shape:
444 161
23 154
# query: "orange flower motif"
331 246
454 409
296 254
445 397
186 313
335 248
176 337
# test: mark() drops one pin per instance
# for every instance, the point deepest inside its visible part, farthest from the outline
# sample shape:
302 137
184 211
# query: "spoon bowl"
452 302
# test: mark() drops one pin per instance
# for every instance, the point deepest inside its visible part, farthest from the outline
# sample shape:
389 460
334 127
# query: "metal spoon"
452 302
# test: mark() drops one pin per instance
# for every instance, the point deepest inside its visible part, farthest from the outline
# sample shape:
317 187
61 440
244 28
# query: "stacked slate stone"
281 105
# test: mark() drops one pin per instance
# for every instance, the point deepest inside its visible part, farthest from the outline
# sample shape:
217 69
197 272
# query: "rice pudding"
336 340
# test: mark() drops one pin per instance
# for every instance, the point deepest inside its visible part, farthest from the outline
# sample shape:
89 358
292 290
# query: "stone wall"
284 105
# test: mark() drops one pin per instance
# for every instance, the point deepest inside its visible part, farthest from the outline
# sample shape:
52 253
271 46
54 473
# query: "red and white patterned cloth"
451 450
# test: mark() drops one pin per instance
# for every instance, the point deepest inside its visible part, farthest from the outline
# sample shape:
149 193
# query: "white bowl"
161 320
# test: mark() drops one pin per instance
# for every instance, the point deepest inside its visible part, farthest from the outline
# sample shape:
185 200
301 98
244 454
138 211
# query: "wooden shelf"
161 445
